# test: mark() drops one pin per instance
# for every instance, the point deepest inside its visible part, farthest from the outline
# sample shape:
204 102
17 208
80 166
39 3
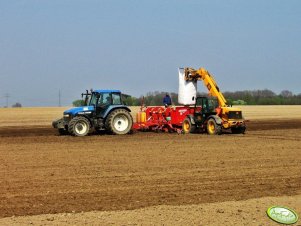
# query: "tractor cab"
103 110
204 107
101 100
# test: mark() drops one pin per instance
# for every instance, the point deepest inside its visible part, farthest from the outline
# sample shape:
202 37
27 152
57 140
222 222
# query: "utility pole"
6 96
60 95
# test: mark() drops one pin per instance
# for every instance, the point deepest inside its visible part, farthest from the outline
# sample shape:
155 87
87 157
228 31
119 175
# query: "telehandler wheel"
79 126
213 128
119 122
187 126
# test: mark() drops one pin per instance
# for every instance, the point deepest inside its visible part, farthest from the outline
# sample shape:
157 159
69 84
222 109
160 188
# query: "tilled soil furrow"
44 173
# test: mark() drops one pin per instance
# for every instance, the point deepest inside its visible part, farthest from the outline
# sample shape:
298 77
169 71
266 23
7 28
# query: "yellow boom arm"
208 80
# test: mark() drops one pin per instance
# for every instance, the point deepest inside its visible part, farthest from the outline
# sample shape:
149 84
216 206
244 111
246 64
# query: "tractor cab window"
212 104
104 99
116 98
87 100
206 105
100 99
93 99
199 102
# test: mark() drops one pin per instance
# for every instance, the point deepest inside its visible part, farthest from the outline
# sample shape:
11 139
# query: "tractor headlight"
67 116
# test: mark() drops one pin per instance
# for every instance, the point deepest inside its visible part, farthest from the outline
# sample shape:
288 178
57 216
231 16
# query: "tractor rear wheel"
213 128
119 122
187 126
79 126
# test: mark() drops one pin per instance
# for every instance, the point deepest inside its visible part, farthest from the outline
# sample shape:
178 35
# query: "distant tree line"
155 98
16 105
246 97
263 97
78 103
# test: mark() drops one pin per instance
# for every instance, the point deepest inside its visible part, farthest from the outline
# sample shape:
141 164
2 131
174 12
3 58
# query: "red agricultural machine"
158 118
181 119
206 114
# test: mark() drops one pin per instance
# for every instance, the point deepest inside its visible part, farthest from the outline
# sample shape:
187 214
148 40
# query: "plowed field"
43 173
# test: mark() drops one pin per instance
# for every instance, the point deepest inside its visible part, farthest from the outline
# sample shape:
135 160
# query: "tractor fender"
191 118
112 108
217 119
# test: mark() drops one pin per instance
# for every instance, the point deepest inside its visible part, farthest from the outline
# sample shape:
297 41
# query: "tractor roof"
107 91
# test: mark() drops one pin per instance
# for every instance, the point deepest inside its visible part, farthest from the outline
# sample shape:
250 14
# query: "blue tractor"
103 110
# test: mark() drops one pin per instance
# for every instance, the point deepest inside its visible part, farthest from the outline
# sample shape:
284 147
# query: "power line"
6 96
60 96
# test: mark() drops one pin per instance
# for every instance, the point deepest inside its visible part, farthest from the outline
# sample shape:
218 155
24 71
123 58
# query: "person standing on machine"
167 100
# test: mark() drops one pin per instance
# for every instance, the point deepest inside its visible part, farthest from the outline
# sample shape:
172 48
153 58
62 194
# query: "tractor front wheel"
79 126
213 128
119 122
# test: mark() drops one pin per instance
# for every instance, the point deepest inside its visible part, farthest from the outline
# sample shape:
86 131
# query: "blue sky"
137 46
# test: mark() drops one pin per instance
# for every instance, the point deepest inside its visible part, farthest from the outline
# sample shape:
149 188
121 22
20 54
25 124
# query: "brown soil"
42 172
253 125
251 212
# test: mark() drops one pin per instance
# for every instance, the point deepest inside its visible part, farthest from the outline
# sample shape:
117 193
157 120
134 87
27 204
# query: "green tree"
78 103
131 101
17 105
